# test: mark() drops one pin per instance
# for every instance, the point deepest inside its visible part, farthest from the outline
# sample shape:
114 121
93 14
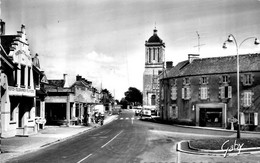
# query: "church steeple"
154 65
154 49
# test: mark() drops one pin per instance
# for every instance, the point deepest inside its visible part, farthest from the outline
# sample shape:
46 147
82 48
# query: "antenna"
199 45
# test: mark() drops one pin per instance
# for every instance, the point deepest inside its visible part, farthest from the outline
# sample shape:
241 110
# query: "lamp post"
231 39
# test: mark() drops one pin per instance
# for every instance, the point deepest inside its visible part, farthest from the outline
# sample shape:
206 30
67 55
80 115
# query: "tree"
124 103
134 95
106 96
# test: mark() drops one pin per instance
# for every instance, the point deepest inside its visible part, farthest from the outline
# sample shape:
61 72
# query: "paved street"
128 139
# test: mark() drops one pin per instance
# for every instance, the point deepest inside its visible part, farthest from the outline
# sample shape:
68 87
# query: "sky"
103 41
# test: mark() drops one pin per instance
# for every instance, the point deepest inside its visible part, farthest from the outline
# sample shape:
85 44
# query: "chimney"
23 28
66 84
78 78
169 64
2 26
191 57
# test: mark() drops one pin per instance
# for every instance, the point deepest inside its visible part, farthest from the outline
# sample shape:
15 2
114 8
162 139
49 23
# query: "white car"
148 112
138 110
145 113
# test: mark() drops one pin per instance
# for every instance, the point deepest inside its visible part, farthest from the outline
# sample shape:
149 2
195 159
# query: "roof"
7 40
154 39
79 83
57 83
216 65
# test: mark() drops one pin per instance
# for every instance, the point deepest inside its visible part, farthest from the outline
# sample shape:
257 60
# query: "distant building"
66 104
203 92
154 65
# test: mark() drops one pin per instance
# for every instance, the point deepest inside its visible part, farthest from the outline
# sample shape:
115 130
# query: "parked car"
138 110
148 112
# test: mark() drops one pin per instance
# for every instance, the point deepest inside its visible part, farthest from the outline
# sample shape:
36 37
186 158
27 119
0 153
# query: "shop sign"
21 91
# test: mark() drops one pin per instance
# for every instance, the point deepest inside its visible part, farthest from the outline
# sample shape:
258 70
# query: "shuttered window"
173 93
204 93
247 98
225 92
186 94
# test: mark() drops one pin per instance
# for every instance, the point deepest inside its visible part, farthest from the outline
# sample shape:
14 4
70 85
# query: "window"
162 92
155 80
150 51
153 99
154 54
29 77
186 81
225 92
247 98
22 76
249 118
158 52
247 79
204 80
204 93
173 93
224 79
174 111
186 93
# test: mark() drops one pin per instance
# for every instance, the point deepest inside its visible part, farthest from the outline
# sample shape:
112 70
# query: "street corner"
234 150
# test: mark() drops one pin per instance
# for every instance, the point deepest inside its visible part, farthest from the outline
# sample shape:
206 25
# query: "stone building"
203 92
69 104
18 98
154 65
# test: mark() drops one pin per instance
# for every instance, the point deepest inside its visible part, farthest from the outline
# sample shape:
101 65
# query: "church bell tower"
154 65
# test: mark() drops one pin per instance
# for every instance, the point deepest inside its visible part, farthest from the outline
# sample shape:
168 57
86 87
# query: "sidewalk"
184 146
14 146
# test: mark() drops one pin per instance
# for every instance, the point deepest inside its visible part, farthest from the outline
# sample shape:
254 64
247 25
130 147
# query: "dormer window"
204 80
225 79
186 81
247 79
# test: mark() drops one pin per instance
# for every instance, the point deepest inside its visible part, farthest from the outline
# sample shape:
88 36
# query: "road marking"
112 139
84 158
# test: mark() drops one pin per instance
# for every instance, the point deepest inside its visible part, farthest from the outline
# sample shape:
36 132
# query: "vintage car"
138 110
148 112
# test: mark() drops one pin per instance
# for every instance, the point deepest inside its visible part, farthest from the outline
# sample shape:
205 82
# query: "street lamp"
231 39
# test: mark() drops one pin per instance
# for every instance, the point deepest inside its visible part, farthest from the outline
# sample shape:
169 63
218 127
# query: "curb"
217 129
58 140
196 151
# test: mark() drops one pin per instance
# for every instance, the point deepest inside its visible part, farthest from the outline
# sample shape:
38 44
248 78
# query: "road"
129 139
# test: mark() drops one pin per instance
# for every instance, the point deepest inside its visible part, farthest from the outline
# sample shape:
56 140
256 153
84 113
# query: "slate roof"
57 83
215 65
